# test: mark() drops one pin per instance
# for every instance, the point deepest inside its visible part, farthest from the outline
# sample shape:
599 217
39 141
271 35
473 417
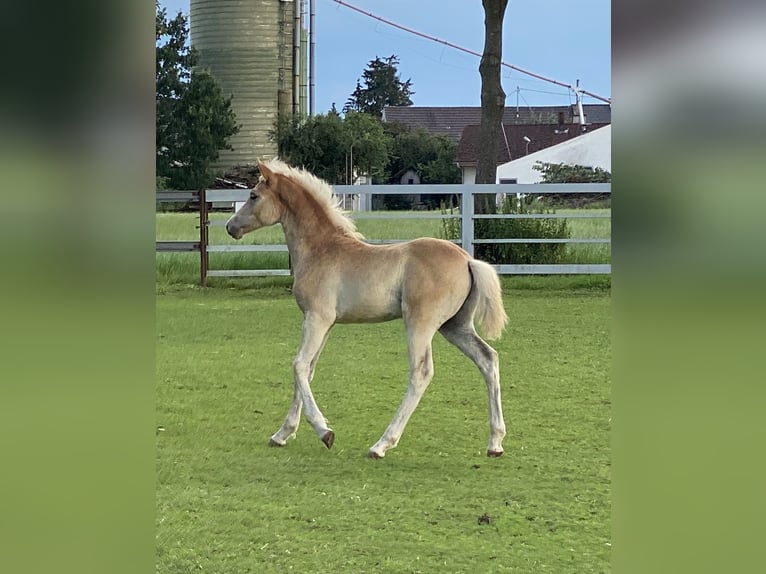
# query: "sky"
558 39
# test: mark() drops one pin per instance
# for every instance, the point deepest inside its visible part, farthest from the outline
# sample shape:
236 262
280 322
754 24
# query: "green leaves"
563 173
332 147
382 87
432 156
340 148
193 118
522 253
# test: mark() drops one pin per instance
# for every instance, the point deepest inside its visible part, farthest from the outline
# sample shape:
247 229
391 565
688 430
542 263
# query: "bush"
515 253
392 202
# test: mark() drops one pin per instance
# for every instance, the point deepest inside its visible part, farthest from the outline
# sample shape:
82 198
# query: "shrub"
515 253
450 227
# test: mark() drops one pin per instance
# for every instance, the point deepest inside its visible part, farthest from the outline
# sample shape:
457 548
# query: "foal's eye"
253 196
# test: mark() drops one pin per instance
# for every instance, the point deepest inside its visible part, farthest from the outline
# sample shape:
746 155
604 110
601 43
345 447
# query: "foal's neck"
309 230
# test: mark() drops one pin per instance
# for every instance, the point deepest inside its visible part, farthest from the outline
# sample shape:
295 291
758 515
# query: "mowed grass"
228 503
184 267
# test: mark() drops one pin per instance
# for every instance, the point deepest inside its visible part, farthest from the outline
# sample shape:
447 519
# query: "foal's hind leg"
421 373
290 426
464 337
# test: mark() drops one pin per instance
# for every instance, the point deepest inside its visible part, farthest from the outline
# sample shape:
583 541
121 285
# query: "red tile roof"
450 121
512 145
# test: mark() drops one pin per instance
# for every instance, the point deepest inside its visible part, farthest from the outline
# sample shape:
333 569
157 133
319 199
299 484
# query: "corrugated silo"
248 47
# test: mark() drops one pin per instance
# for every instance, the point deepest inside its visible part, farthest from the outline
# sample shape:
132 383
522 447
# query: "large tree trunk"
492 97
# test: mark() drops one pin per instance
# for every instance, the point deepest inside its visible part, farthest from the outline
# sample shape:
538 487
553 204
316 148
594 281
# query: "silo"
248 47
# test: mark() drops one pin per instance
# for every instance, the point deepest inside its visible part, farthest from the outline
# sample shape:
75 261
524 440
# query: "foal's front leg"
290 426
315 330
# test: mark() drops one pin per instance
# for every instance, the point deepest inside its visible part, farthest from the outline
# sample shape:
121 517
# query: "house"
515 141
407 177
525 130
592 149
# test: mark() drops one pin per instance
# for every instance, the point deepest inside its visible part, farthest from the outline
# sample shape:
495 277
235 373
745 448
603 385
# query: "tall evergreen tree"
382 87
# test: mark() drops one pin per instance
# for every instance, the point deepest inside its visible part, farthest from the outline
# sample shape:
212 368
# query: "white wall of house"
469 175
593 149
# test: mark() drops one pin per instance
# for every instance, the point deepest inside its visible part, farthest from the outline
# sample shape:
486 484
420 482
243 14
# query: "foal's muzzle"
233 230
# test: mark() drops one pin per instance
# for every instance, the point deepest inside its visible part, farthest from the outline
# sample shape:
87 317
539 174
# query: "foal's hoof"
272 442
373 454
494 453
328 438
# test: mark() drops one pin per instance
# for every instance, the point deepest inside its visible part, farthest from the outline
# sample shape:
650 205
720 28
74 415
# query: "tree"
432 156
332 147
368 144
193 118
564 173
316 143
382 87
492 95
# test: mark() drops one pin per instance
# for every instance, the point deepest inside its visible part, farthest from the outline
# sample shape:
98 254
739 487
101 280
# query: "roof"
450 121
593 149
541 136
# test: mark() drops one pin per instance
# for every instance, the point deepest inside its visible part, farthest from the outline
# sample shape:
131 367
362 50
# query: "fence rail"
467 217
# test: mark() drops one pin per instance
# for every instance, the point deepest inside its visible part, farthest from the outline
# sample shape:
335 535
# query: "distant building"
407 177
525 130
592 149
515 141
450 121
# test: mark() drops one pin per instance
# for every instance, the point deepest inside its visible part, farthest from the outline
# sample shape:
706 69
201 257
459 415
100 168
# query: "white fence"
467 218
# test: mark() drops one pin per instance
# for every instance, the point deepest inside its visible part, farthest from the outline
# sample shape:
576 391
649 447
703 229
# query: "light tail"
490 313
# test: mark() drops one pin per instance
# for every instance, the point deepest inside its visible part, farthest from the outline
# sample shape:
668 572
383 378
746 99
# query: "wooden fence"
467 218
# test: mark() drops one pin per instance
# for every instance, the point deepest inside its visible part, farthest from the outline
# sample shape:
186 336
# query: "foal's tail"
490 313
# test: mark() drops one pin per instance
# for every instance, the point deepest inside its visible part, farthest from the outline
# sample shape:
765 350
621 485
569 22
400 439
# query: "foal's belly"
369 306
367 314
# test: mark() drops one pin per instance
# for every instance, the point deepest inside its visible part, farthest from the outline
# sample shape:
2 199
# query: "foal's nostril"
231 231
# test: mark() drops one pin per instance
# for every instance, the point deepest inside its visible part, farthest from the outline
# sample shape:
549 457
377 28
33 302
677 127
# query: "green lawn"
228 503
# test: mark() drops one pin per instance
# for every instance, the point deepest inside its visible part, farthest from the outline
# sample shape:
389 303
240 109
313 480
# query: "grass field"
184 267
227 503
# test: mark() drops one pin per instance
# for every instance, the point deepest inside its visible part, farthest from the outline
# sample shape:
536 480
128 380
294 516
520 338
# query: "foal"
431 284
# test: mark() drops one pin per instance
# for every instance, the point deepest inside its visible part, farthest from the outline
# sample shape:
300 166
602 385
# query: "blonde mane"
320 190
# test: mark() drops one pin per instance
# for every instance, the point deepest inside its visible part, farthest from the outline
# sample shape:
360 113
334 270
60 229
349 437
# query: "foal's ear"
266 173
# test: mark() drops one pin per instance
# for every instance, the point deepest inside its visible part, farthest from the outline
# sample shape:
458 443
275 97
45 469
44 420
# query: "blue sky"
558 39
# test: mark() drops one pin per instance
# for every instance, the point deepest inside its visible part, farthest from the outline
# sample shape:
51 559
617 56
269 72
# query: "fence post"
466 221
203 237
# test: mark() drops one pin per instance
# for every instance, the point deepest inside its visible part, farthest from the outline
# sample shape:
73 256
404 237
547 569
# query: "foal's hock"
433 285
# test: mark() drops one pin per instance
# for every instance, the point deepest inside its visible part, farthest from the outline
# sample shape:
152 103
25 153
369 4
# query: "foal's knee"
301 368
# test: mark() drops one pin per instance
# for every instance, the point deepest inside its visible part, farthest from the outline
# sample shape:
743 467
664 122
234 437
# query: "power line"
472 52
545 92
